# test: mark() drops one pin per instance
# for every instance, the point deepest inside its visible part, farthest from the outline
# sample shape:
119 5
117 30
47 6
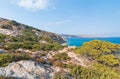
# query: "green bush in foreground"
58 59
2 37
6 59
78 72
106 62
62 57
103 52
61 75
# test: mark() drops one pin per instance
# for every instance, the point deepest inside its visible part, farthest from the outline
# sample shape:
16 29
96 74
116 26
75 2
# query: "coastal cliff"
13 28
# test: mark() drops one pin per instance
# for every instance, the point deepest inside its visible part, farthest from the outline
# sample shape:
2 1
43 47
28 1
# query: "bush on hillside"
6 59
103 52
61 75
2 37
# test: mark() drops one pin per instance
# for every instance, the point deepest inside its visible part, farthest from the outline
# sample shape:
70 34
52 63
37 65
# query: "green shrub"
58 60
7 26
62 57
47 47
13 23
78 72
6 59
109 60
2 37
106 65
60 75
103 52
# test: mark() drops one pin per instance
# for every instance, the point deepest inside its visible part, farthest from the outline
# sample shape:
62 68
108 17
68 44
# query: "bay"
80 41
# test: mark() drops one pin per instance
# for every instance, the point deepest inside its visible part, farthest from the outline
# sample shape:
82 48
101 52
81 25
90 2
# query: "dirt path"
77 60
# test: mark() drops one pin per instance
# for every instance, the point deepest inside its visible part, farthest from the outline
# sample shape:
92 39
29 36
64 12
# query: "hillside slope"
13 28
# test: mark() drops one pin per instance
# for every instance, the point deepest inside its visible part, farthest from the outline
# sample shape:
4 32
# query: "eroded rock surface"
26 69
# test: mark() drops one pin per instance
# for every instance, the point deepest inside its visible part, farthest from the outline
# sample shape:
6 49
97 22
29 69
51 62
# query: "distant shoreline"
90 37
82 36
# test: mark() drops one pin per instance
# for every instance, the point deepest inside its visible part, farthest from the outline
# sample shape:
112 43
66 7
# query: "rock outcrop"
2 51
11 27
26 69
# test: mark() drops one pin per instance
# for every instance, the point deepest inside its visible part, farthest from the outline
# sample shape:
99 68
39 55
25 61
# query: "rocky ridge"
13 28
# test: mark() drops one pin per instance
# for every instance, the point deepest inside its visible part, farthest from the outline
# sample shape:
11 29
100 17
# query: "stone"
25 69
2 51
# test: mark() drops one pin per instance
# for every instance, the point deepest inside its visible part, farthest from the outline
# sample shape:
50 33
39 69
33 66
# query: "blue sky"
77 17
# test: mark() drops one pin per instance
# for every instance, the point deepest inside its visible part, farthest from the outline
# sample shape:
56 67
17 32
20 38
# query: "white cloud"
34 4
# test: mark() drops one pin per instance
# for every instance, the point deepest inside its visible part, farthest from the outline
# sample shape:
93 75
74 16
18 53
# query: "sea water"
80 41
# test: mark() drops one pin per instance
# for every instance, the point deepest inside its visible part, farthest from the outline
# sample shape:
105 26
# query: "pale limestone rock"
25 69
2 51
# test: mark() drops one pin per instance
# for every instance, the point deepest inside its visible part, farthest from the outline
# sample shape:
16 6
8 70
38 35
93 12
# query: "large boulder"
25 69
2 51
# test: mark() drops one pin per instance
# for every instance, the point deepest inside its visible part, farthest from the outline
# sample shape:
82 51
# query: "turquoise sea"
80 41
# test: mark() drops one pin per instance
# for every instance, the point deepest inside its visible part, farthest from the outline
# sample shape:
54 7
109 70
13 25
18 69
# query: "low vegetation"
61 75
104 54
58 59
2 77
29 41
105 66
62 57
6 59
107 62
2 37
